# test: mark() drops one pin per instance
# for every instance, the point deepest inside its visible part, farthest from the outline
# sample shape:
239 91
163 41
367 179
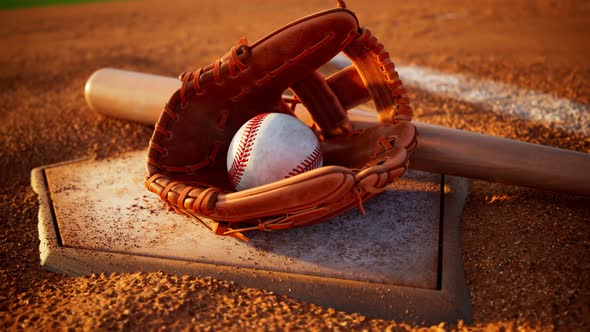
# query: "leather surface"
186 159
276 62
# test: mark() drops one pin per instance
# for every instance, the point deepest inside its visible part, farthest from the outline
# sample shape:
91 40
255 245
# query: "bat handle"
458 152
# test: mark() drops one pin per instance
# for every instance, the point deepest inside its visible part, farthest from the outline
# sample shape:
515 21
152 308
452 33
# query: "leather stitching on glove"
192 135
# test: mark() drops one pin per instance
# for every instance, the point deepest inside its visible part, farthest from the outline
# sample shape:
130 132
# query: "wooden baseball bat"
140 97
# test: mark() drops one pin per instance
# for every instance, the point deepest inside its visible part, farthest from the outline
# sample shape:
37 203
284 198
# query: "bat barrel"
458 152
129 95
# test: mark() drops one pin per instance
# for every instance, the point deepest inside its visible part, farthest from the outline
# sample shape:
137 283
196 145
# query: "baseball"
271 147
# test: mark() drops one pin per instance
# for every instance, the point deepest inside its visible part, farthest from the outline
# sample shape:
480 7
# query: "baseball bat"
140 97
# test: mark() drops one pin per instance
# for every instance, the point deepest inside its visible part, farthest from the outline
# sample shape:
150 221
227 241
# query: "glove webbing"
374 67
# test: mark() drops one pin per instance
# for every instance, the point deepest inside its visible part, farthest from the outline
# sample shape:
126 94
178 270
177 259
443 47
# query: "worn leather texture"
186 159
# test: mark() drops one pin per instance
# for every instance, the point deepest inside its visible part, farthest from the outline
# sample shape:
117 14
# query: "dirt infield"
526 252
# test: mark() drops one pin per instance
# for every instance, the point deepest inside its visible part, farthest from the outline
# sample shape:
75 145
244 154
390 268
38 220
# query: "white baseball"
271 147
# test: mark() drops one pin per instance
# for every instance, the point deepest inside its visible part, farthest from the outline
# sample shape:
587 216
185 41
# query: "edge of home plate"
402 261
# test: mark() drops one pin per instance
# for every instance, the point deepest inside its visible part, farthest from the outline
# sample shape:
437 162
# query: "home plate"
401 261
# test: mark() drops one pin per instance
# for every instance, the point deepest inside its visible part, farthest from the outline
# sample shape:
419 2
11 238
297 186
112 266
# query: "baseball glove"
187 154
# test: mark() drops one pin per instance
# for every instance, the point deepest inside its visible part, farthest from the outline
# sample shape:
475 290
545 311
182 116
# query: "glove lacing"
235 65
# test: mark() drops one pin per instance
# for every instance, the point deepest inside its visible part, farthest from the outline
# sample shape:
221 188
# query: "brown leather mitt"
187 155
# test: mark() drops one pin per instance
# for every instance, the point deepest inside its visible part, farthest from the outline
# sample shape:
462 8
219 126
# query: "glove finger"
323 105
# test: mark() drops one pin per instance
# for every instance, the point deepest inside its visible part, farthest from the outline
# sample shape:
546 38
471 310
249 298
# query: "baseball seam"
312 161
241 157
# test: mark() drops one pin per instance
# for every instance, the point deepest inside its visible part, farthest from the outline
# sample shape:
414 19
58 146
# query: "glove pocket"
306 191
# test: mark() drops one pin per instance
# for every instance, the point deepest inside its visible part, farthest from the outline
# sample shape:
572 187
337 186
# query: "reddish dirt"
526 252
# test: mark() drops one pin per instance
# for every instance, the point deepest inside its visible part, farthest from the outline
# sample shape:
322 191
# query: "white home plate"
400 261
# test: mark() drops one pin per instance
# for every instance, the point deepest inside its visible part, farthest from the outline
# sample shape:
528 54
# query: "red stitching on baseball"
238 166
311 162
